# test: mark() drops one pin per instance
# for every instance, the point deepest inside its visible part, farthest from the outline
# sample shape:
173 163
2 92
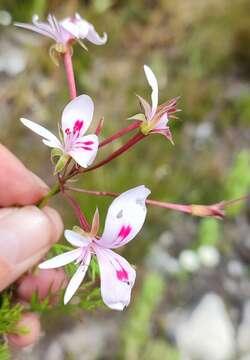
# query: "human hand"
26 233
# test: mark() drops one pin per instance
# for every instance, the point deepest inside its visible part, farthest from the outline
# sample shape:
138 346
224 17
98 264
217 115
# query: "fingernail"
23 233
56 223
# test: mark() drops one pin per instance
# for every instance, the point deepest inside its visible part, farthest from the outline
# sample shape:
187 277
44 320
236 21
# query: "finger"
18 186
31 323
26 234
42 282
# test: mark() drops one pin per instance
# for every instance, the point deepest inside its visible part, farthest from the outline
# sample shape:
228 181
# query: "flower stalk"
67 58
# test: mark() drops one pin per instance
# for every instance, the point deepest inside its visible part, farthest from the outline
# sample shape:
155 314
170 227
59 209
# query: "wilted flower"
155 118
64 32
76 119
125 218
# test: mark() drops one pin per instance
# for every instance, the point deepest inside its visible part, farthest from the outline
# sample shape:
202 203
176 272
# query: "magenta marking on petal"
67 131
85 142
77 126
125 231
84 147
122 275
88 142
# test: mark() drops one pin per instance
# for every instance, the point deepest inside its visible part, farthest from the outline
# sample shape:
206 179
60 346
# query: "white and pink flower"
65 31
156 117
125 218
76 119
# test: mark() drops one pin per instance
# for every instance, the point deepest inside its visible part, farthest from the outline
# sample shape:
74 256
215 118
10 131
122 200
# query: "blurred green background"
200 51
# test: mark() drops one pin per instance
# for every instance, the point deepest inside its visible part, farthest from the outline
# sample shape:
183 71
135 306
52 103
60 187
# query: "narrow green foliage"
9 316
136 332
4 352
209 232
238 181
160 349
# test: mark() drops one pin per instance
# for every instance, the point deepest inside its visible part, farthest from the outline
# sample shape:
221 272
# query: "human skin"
26 232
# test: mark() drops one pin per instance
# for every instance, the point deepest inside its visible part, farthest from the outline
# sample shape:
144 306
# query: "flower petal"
71 26
154 85
61 260
76 239
77 113
52 140
117 278
162 122
125 218
77 278
84 150
35 29
95 38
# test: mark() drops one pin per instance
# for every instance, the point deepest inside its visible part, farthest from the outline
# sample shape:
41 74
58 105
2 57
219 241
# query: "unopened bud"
207 211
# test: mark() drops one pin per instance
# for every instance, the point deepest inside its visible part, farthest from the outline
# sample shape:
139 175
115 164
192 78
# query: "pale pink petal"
125 218
95 38
71 26
117 278
84 150
52 144
76 239
163 122
40 130
45 26
154 85
83 26
35 29
61 260
77 278
146 107
77 115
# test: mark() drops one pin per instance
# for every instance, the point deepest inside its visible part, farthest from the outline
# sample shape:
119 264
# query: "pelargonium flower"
125 218
64 32
155 118
76 119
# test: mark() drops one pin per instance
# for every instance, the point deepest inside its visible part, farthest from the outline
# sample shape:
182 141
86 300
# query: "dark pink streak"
85 142
125 231
84 148
122 275
77 126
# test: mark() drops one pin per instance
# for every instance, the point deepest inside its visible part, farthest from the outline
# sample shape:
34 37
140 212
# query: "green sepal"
139 117
55 153
60 132
61 163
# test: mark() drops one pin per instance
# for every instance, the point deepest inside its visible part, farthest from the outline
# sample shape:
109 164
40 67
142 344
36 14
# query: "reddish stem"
120 133
78 212
137 137
214 210
166 205
70 73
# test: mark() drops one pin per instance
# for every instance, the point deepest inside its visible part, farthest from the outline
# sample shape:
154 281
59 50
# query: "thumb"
26 234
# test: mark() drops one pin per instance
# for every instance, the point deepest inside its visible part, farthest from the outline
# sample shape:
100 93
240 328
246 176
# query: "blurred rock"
13 59
243 337
86 341
189 260
209 256
208 333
